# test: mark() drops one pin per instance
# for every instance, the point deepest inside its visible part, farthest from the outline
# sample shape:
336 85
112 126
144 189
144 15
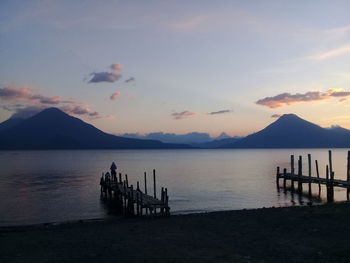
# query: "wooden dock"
133 201
329 181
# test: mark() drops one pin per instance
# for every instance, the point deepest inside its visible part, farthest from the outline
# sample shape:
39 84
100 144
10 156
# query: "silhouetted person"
107 177
102 183
114 171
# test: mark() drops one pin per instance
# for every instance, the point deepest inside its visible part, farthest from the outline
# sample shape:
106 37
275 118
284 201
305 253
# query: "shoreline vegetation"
288 234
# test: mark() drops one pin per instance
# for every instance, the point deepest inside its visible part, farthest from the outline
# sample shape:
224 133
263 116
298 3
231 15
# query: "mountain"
189 138
196 139
54 129
290 131
12 122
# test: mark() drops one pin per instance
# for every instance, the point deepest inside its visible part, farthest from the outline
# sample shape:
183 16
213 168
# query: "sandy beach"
291 234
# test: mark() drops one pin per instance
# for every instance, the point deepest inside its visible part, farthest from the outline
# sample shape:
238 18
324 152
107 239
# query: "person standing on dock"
114 172
102 182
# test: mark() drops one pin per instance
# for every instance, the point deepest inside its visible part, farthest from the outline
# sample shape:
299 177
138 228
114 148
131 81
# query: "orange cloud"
276 115
115 95
26 94
24 102
116 67
219 112
288 99
182 115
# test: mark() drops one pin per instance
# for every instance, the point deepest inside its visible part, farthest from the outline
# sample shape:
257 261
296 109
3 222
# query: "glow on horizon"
170 66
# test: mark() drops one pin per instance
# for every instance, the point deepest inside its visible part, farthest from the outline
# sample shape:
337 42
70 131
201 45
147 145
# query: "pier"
299 178
132 201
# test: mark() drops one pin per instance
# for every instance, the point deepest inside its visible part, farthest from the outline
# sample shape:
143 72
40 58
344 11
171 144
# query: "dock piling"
300 171
309 169
329 181
330 162
126 180
130 200
318 176
154 184
348 176
292 171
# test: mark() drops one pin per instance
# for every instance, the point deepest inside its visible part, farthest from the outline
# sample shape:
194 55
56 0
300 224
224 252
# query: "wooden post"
292 171
126 180
348 176
318 176
145 177
138 198
141 202
300 171
162 199
138 203
120 178
124 195
131 200
167 202
348 168
284 177
330 162
278 177
154 184
332 187
309 164
327 182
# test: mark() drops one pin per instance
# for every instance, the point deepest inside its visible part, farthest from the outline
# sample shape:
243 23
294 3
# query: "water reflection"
49 186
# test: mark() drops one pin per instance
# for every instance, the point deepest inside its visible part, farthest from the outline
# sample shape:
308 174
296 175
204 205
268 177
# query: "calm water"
51 186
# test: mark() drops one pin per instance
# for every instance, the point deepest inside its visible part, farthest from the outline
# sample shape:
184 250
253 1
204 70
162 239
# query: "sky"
177 66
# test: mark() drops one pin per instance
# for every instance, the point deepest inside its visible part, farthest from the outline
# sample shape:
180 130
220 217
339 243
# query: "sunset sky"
177 66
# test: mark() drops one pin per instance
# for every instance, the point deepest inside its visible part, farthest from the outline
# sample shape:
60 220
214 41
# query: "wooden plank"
306 179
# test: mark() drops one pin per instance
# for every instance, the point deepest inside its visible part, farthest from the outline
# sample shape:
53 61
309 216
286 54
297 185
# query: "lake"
63 185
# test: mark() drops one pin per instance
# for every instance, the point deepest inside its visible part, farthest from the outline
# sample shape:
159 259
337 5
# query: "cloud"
110 77
116 67
80 110
219 112
129 80
26 112
24 102
26 94
276 115
182 115
288 99
105 77
330 53
115 95
340 93
11 93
